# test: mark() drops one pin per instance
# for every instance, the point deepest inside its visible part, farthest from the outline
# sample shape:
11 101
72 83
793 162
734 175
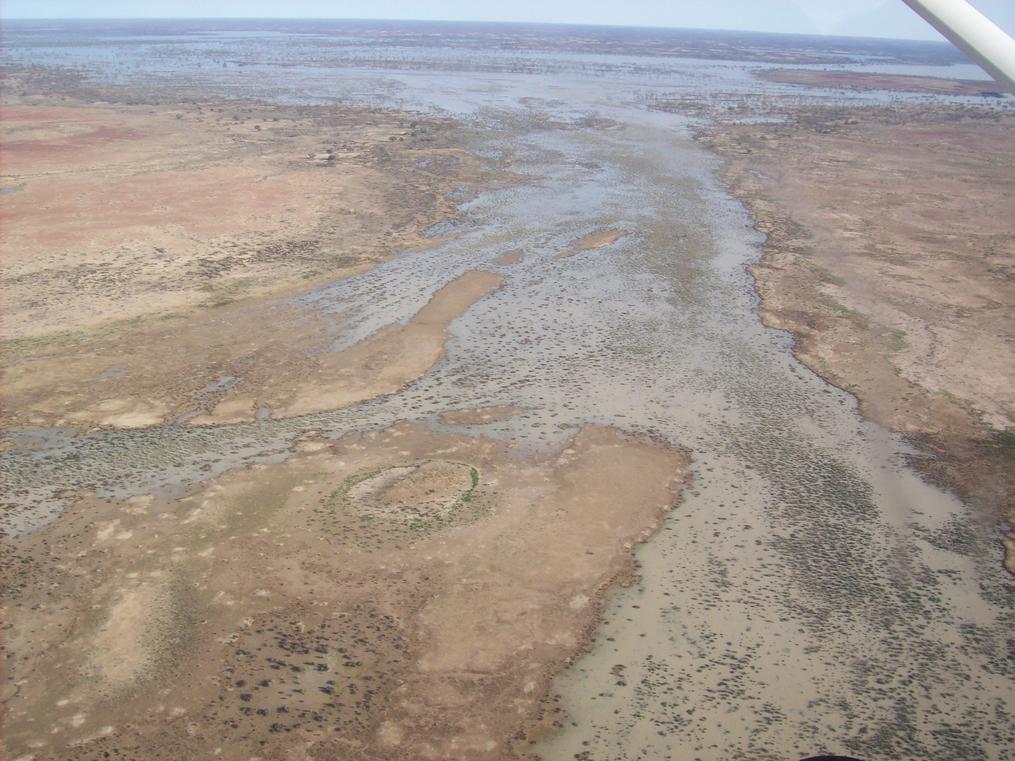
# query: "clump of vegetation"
16 349
227 293
825 276
1004 440
474 475
341 261
897 340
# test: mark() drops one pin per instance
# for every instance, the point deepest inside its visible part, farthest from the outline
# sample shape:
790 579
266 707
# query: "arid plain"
334 423
890 257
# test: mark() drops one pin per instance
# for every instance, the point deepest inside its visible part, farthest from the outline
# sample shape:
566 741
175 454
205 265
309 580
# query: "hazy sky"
876 18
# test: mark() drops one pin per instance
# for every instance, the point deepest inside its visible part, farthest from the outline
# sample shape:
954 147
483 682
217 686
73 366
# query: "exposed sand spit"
592 241
863 80
394 590
480 416
512 257
381 364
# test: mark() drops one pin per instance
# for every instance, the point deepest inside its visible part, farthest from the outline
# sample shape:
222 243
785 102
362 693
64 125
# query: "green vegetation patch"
897 340
1004 441
227 293
826 276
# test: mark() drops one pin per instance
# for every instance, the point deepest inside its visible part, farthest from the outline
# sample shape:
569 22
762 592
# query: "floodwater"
810 594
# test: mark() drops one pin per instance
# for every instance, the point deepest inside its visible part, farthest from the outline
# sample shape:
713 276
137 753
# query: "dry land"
390 593
891 259
149 250
857 80
394 591
385 362
593 241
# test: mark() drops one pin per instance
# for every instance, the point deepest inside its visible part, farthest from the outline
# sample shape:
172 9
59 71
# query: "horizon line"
3 19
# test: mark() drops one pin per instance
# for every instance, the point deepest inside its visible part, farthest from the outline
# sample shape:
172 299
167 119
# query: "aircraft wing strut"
975 34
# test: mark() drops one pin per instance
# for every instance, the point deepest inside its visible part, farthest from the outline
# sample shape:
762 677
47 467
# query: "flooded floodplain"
807 593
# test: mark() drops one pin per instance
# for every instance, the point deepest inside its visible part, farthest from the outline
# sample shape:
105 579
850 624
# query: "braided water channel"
809 594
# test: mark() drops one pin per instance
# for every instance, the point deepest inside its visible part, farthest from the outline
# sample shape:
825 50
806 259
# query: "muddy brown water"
810 594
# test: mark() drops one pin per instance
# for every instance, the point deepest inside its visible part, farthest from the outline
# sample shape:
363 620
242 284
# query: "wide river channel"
810 593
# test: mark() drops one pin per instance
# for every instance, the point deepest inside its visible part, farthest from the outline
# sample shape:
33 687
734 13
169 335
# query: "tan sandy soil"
512 257
135 231
480 416
144 373
592 241
389 595
142 209
394 593
381 364
863 80
890 257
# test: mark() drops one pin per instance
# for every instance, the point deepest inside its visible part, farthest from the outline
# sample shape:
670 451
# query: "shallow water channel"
810 594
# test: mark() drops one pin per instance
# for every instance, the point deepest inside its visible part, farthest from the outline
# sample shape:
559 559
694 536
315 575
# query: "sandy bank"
864 80
890 259
381 364
389 591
